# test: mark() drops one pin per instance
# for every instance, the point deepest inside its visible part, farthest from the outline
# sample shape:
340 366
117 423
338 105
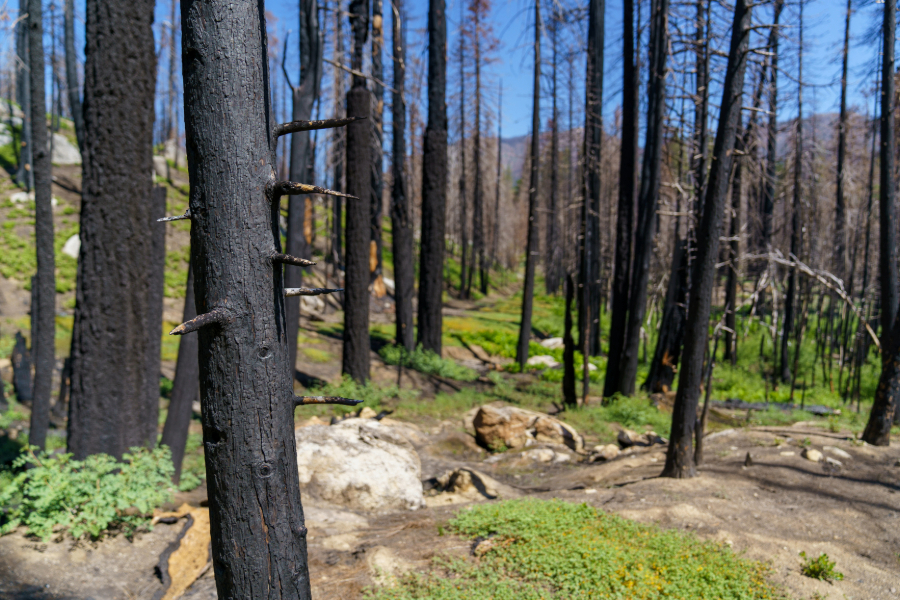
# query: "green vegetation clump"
54 493
820 568
426 361
533 549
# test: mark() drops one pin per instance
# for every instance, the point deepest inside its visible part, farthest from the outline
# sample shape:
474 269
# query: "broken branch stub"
307 400
186 215
292 260
297 126
214 316
292 188
303 291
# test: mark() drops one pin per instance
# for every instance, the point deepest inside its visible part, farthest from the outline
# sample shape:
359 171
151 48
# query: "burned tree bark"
668 344
840 240
401 220
625 216
768 203
302 98
434 183
358 220
878 428
376 205
72 72
553 254
24 172
568 386
185 387
111 341
531 247
42 345
464 266
679 457
478 263
257 525
648 196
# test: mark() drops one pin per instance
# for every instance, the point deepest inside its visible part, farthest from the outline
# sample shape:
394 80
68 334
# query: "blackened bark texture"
111 340
377 127
72 86
734 231
589 276
302 98
156 286
679 457
185 387
464 267
568 386
21 365
478 263
434 183
257 525
337 148
495 238
668 345
625 216
648 195
58 410
25 173
358 220
840 239
790 298
701 101
878 429
531 247
45 283
401 220
768 203
553 254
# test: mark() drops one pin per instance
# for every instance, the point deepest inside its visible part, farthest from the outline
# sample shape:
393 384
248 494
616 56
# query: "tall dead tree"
72 87
553 254
495 238
531 247
42 344
796 208
401 219
115 400
680 456
337 145
245 380
303 96
479 10
24 172
377 202
625 216
840 241
878 428
464 267
434 184
648 195
359 217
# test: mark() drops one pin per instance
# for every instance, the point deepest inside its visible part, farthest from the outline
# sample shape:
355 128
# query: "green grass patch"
426 361
317 355
552 549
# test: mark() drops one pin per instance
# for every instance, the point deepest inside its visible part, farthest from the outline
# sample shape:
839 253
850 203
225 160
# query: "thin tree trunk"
42 345
401 219
337 206
359 216
840 247
434 184
531 247
878 428
625 217
679 457
172 132
648 196
25 172
464 268
478 199
569 397
495 241
553 254
668 344
185 387
72 72
114 302
376 276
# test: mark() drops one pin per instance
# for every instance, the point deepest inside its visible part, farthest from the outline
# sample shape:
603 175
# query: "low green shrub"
536 549
88 496
820 568
426 361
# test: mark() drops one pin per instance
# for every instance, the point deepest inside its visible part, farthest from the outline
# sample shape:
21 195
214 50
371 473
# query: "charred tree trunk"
25 172
840 241
401 220
734 230
434 184
337 148
478 198
376 275
111 339
701 99
464 267
359 216
531 247
878 429
495 240
569 396
72 72
625 217
302 98
668 344
648 196
185 387
21 365
42 345
680 455
768 203
553 254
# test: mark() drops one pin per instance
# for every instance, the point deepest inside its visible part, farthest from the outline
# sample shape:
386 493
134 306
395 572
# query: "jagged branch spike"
307 400
215 316
186 215
303 291
292 260
296 126
292 188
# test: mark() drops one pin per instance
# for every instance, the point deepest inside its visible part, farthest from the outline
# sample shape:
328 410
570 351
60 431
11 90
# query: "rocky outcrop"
497 427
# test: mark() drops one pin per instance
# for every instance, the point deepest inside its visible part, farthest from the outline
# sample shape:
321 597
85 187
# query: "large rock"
64 151
361 464
467 485
628 438
499 426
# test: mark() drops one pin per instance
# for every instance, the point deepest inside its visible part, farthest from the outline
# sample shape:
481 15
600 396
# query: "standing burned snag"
257 524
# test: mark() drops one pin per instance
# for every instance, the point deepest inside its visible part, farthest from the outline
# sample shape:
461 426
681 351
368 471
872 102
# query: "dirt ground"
772 510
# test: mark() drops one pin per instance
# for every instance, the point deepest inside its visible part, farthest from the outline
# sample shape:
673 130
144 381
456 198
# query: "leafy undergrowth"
820 568
426 361
89 497
554 549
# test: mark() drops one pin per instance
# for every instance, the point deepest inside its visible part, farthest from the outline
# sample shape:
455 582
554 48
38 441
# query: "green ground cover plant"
820 568
426 361
537 549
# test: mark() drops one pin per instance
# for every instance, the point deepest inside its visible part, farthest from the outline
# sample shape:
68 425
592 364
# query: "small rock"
552 343
748 461
838 452
811 454
540 455
628 438
482 547
466 485
787 453
607 452
590 491
20 197
72 246
561 457
833 462
543 360
367 413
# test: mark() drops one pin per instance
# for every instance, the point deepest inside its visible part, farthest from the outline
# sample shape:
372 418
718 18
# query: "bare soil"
772 510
